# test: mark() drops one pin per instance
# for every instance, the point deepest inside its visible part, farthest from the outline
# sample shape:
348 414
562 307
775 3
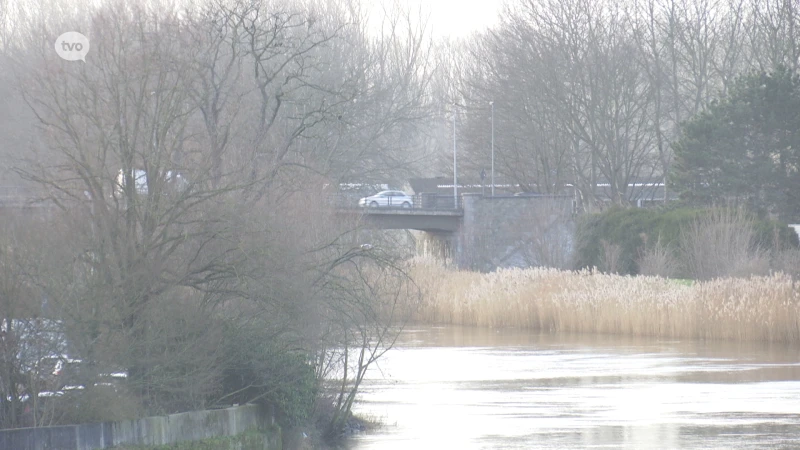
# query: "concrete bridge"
475 232
16 202
427 220
483 232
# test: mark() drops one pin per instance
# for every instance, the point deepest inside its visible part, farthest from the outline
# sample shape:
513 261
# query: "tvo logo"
72 46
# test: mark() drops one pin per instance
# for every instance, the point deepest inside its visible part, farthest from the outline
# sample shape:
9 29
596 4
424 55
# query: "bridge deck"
432 220
411 212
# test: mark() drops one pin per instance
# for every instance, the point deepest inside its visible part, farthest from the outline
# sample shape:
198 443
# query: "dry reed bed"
751 309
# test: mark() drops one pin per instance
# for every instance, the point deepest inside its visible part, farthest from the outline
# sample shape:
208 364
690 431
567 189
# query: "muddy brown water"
476 388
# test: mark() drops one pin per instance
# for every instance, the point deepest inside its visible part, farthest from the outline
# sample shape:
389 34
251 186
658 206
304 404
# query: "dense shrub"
788 262
635 231
96 404
263 368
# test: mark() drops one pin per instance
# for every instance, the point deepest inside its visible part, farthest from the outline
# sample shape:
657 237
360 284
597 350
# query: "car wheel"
373 204
406 205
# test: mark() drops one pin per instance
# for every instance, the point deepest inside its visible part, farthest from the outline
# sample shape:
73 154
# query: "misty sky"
457 18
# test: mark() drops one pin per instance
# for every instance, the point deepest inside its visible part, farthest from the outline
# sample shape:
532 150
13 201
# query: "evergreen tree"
745 147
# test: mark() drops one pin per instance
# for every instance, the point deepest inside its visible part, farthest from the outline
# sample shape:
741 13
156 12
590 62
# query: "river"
473 388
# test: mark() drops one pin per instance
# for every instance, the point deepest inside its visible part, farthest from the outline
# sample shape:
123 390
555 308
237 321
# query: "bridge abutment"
513 231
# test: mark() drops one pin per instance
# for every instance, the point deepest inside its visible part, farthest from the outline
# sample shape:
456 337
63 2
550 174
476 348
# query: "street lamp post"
492 105
455 162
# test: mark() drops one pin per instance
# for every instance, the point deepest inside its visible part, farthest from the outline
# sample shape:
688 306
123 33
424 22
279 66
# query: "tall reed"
765 308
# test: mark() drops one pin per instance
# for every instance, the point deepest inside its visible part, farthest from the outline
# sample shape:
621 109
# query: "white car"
172 178
387 199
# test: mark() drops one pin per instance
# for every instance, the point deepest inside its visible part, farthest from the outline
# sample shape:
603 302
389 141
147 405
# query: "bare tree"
128 157
167 154
363 295
564 72
772 34
19 349
532 146
593 94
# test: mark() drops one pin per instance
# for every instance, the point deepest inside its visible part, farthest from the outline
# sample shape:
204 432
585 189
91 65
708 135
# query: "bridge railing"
437 201
424 201
14 195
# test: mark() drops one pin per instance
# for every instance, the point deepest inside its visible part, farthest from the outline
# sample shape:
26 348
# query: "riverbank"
747 309
269 439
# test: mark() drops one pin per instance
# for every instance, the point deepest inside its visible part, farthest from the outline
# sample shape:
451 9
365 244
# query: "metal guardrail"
424 201
13 191
15 196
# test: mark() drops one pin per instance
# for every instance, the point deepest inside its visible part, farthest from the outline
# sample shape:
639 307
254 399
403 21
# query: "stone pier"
507 231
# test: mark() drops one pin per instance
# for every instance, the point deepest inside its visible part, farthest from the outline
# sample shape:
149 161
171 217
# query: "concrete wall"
506 231
158 430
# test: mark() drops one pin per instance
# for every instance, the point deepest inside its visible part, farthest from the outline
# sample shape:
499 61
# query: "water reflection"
456 387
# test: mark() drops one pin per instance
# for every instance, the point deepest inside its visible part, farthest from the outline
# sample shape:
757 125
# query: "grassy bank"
752 309
251 440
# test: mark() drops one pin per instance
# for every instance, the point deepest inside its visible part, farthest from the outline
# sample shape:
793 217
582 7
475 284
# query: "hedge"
632 228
